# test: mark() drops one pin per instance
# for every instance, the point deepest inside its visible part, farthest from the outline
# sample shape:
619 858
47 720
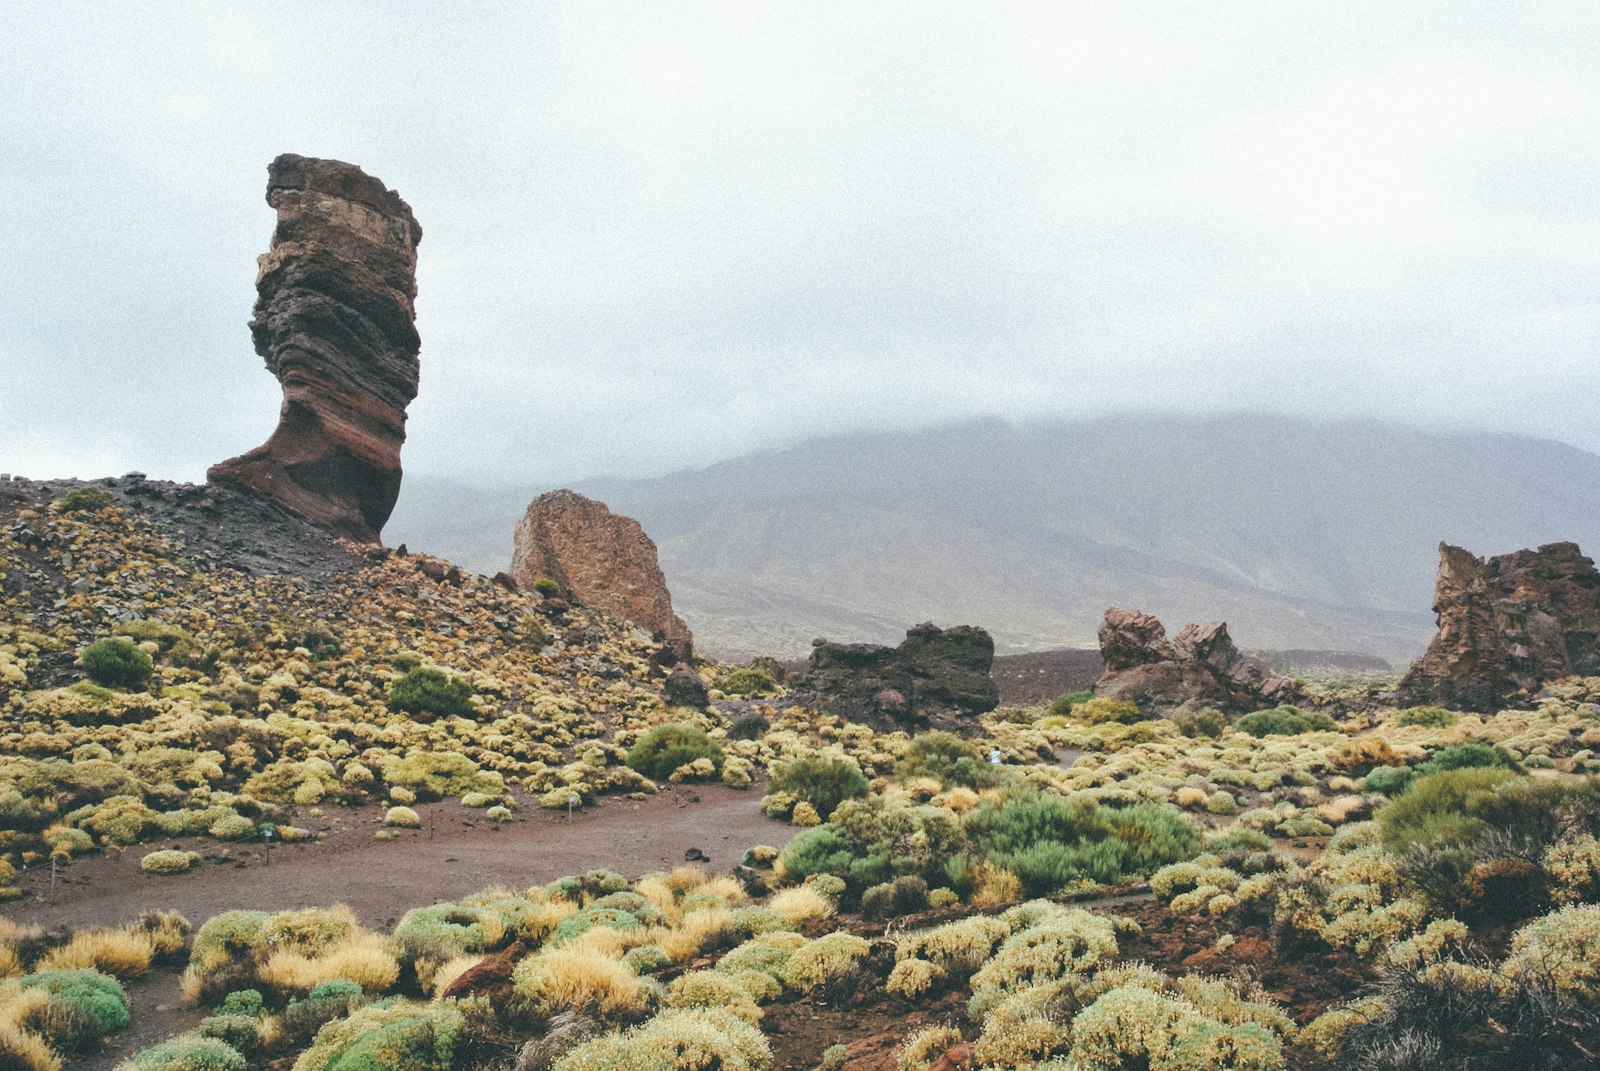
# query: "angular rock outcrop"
936 676
334 320
600 559
1200 667
1507 624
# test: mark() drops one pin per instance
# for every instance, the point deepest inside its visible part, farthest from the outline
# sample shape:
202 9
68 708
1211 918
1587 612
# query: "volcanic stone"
938 676
334 320
1201 667
601 560
1507 624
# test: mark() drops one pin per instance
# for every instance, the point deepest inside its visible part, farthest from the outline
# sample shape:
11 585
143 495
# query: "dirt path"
456 852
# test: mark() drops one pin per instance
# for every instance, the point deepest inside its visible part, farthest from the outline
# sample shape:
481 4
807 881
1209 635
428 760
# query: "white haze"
660 235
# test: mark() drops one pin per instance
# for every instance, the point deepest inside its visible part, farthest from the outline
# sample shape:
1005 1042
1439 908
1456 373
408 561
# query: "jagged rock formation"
938 676
600 559
334 320
1200 667
1507 624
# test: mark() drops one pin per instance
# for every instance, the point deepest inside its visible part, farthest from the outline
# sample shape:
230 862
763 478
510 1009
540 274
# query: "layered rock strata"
1199 668
334 320
599 559
936 676
1507 625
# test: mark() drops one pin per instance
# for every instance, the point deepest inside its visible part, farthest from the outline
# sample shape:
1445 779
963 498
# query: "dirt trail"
456 852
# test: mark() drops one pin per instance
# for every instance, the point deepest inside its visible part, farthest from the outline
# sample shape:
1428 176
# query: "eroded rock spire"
334 320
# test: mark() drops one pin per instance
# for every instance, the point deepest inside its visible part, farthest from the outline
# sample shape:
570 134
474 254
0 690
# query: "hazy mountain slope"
1299 533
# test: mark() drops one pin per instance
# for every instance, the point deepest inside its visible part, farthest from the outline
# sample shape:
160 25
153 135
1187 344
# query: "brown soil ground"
455 853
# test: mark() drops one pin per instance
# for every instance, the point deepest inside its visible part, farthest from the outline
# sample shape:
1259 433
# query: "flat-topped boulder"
941 677
334 320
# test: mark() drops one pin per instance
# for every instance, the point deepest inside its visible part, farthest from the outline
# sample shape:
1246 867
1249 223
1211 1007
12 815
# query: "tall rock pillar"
334 319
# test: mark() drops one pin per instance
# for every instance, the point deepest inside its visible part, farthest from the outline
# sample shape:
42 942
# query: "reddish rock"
1507 624
601 560
1200 668
334 320
491 977
955 1058
880 1052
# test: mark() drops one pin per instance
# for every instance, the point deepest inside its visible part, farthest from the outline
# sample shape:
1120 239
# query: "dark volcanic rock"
334 320
936 675
684 688
1507 624
1200 667
600 559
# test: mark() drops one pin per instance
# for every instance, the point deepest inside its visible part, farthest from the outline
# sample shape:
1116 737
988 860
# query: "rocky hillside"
1299 534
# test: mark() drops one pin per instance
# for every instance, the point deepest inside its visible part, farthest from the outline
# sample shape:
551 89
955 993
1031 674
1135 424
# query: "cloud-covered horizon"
658 237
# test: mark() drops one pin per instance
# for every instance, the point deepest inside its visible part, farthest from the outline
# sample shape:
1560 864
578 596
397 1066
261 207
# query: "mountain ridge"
1298 532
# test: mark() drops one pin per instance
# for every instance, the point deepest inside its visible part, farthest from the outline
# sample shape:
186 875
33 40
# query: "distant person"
994 756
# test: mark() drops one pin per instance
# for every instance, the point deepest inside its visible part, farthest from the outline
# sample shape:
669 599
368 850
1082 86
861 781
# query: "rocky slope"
334 320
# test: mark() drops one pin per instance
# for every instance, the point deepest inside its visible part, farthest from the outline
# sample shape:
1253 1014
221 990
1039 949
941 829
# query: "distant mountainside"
1298 533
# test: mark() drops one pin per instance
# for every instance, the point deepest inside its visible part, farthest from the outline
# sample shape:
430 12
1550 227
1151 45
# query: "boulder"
334 320
600 559
684 688
1199 668
936 676
1507 625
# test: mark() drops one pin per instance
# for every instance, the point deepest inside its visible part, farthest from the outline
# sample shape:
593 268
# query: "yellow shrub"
363 958
26 1052
799 904
824 961
699 932
573 978
995 886
925 1045
116 952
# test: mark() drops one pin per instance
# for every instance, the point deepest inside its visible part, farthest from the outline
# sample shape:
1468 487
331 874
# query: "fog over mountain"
1299 533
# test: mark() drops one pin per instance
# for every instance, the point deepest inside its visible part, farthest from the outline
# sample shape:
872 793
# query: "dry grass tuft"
799 904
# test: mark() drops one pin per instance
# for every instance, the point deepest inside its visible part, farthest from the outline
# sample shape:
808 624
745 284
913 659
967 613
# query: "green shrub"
1207 723
950 760
1431 717
1284 721
116 662
1388 780
824 781
746 680
417 1037
1446 809
1063 704
1102 711
546 587
667 747
819 850
187 1052
85 499
97 995
1050 842
430 690
240 1002
1468 756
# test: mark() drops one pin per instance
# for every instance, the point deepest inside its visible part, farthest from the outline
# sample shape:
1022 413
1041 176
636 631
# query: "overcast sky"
657 235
